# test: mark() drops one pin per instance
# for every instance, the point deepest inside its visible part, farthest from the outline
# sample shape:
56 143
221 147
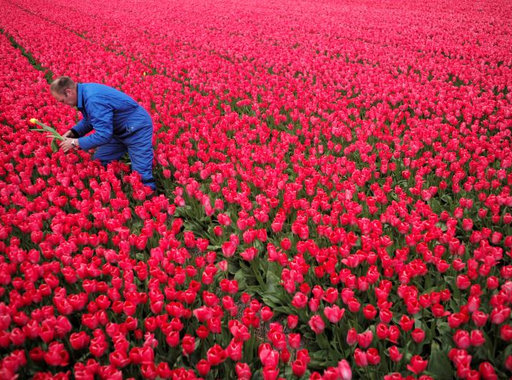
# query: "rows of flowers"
335 192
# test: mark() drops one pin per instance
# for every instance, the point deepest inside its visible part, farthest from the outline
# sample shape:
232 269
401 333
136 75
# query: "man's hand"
68 134
66 144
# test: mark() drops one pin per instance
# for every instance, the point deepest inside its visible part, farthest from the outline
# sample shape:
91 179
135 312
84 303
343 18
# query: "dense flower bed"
335 182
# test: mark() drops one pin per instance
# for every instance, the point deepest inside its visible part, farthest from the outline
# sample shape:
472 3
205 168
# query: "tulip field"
334 192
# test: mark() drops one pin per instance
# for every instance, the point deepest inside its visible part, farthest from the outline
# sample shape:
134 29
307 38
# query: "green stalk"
54 135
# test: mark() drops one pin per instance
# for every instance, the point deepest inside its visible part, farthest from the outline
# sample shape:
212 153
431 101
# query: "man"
121 125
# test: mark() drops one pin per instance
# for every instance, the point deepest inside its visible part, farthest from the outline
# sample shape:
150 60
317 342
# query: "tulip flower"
216 355
316 324
268 356
418 335
417 364
344 370
203 367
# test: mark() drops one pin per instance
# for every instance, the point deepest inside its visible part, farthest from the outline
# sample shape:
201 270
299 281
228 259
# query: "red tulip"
268 356
487 371
461 339
463 282
499 314
216 355
394 354
173 338
203 367
149 371
56 355
119 359
334 314
270 373
188 344
344 370
293 320
477 338
234 350
243 371
316 324
382 331
360 358
79 340
353 305
369 312
506 333
299 300
352 337
508 362
406 323
417 364
418 335
238 330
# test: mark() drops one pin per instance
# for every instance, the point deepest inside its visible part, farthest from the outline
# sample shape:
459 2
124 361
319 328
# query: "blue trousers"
139 145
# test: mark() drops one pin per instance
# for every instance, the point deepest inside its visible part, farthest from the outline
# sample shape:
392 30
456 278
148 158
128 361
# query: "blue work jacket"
109 112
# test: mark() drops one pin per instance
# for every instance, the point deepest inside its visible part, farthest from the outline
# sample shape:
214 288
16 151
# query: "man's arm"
101 119
81 129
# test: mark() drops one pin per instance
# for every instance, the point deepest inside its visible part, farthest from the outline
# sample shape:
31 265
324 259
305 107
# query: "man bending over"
121 125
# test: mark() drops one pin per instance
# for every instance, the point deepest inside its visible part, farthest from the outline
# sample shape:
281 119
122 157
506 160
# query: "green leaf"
439 367
273 299
55 146
323 342
318 359
273 280
240 277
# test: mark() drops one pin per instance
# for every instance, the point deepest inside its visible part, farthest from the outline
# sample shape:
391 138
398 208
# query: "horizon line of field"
233 60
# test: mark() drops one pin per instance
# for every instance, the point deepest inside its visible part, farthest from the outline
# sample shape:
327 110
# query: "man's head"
64 90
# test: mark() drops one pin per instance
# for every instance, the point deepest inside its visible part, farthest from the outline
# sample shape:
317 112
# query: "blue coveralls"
121 125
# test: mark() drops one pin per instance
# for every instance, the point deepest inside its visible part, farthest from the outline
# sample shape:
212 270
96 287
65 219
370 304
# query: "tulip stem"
495 340
367 372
